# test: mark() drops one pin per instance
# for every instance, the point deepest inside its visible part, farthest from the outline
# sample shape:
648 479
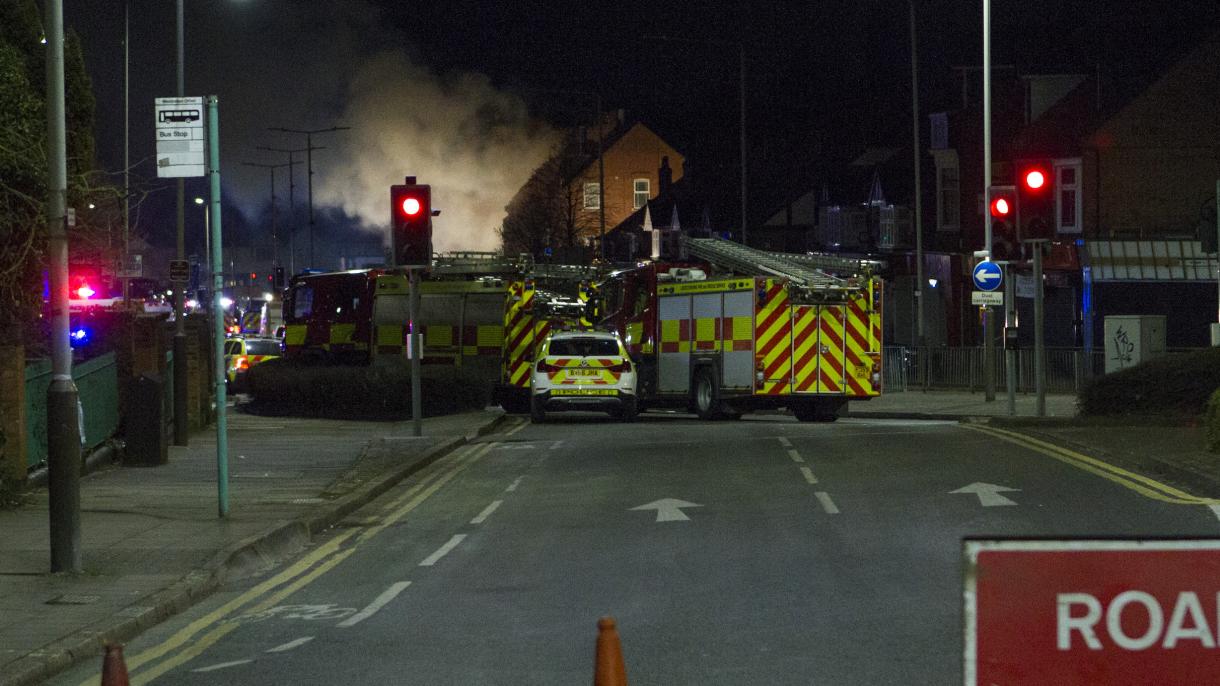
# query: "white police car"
583 370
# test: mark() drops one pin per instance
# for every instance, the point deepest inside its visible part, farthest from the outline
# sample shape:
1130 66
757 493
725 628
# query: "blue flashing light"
80 336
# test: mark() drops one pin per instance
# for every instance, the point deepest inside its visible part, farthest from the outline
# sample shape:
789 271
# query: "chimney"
665 177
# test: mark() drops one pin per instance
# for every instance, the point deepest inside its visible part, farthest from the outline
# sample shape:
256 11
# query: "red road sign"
1092 612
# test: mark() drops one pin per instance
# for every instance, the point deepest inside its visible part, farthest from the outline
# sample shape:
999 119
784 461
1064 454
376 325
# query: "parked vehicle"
583 370
244 352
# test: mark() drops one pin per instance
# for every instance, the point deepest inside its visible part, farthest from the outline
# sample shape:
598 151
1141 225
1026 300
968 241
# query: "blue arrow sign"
987 276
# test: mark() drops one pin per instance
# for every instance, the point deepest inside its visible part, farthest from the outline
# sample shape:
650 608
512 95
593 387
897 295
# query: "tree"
548 211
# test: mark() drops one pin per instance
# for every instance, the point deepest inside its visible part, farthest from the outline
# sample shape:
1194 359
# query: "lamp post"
292 207
207 236
309 134
275 237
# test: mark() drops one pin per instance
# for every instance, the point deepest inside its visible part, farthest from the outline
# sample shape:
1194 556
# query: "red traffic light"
1000 207
1035 179
410 206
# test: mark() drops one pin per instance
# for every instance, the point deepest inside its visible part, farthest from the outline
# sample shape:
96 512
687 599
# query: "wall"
636 155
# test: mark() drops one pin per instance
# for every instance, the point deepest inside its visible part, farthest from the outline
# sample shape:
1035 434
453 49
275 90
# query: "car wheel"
537 414
706 397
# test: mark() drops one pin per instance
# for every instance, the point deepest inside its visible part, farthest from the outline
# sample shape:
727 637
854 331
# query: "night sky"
458 92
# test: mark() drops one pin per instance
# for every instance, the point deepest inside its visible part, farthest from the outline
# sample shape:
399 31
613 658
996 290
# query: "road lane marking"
222 665
209 639
513 486
783 440
1139 483
556 445
297 643
515 429
1215 510
796 457
443 550
827 504
486 512
181 638
809 475
378 603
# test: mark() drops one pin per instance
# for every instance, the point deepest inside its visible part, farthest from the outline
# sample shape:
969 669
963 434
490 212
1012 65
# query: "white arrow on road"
989 494
668 509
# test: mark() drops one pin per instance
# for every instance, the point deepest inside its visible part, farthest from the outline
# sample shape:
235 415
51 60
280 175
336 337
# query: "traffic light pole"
417 426
63 413
1010 352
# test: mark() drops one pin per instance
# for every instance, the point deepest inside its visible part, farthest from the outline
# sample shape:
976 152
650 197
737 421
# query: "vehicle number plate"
584 391
585 372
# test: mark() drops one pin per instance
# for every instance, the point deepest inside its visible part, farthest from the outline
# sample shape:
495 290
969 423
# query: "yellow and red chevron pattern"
830 372
522 333
862 344
804 348
773 338
594 372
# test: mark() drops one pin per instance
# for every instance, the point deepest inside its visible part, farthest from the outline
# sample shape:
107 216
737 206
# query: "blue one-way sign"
988 276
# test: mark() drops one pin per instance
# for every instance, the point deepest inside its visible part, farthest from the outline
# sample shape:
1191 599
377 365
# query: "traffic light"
1035 201
278 281
1002 204
411 223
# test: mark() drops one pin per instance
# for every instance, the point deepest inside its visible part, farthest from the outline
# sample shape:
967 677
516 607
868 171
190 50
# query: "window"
255 347
302 302
642 192
583 347
1067 196
948 194
593 196
232 347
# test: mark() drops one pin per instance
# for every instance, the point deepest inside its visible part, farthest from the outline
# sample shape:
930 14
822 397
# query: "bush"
1178 385
297 388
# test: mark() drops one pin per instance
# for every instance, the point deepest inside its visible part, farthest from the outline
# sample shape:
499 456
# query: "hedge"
1178 385
286 387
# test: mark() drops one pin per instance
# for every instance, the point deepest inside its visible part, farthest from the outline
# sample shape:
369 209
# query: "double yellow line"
1139 483
270 593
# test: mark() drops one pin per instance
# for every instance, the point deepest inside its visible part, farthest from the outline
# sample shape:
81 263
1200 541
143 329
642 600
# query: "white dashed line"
556 445
827 504
809 475
486 512
222 665
443 550
796 457
378 603
513 486
783 440
290 645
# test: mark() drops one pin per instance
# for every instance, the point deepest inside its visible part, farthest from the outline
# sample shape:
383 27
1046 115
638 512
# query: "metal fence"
915 368
97 384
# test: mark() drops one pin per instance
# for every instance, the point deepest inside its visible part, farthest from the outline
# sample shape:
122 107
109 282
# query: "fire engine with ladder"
728 329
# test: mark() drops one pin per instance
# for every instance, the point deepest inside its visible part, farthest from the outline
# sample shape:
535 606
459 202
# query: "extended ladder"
806 271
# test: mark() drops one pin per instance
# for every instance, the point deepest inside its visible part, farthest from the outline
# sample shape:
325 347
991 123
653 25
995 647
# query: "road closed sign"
1092 612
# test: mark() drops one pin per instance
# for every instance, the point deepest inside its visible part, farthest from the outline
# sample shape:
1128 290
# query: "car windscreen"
583 347
232 347
262 347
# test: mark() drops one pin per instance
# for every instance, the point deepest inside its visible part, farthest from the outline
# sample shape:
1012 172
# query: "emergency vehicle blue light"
80 336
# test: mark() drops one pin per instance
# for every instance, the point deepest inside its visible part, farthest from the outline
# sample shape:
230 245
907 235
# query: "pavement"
152 541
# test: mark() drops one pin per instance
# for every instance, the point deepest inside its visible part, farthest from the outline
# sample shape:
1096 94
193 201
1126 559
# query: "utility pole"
601 181
988 311
218 339
181 428
275 239
63 428
292 207
126 280
920 338
309 134
741 54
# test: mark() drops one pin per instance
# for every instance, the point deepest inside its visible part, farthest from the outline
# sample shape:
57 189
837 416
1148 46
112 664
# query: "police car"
583 370
244 352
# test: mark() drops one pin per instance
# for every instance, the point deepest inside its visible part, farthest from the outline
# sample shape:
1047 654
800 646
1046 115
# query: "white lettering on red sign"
1080 613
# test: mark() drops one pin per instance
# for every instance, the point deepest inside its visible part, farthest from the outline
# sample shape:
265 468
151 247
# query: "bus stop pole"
218 331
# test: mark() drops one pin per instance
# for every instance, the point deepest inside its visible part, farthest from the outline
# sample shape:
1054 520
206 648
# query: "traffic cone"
114 669
608 665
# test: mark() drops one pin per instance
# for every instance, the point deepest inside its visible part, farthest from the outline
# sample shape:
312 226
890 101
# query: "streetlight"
207 236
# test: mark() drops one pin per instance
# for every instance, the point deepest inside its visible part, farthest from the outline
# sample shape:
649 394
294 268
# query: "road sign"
132 268
179 271
1091 612
988 276
180 137
986 298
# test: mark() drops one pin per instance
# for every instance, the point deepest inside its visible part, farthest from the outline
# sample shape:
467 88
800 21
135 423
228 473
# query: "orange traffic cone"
114 669
608 665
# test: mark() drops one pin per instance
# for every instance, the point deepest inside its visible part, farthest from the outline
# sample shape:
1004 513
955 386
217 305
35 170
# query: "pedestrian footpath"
957 404
152 541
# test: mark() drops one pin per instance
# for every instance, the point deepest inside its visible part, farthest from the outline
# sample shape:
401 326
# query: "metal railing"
915 368
98 387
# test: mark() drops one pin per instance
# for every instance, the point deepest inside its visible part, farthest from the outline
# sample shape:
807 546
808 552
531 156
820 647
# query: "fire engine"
772 330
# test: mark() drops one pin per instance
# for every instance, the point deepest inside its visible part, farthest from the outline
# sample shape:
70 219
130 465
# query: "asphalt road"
809 554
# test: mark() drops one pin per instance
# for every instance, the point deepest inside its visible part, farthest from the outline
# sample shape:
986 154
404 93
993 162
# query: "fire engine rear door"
832 361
